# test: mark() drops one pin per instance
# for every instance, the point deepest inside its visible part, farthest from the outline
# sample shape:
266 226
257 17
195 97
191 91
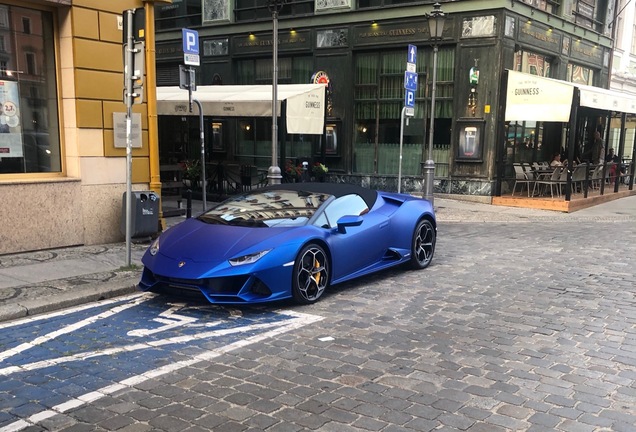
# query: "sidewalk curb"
77 297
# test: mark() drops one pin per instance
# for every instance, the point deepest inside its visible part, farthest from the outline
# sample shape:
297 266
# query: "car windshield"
270 208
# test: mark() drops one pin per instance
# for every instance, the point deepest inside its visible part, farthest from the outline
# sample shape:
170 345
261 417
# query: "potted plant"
191 172
319 170
292 172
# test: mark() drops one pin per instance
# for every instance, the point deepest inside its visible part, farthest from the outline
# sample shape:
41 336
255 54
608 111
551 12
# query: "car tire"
423 244
311 274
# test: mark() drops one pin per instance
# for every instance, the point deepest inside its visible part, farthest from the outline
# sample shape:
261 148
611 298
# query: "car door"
359 246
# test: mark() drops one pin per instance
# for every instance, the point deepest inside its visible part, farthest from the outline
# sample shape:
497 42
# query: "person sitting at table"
556 161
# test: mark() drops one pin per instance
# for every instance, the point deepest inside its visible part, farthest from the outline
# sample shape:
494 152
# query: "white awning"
305 103
531 97
610 100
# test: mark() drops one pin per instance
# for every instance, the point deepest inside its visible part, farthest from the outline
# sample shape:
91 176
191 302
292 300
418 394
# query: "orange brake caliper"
317 265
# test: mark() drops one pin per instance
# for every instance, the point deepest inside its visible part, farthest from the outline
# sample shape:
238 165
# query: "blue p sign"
190 47
409 99
190 41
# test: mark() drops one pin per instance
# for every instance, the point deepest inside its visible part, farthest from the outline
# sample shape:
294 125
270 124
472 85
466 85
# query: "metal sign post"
187 81
410 87
129 57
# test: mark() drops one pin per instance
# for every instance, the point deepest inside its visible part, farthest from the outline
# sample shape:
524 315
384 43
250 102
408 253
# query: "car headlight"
248 259
154 247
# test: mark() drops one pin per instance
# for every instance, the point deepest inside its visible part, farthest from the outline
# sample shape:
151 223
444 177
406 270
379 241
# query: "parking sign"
190 47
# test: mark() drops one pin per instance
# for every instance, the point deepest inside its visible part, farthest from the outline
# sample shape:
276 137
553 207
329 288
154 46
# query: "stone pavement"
43 281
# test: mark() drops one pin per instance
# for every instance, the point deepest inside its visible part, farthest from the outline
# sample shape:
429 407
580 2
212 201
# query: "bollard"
188 203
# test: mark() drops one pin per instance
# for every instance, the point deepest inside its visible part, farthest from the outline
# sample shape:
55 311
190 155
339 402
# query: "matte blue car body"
194 252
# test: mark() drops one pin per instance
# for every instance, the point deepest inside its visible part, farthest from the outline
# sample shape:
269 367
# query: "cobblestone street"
515 326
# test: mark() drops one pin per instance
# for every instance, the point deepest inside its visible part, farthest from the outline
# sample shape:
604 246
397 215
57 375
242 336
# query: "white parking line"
134 347
72 327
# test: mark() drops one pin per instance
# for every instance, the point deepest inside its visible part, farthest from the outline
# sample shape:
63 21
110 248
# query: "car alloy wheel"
423 245
311 274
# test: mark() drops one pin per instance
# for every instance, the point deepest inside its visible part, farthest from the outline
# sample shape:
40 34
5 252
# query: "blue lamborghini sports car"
290 241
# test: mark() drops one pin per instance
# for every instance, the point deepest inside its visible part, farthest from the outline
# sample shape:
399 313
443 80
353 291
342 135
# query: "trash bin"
144 214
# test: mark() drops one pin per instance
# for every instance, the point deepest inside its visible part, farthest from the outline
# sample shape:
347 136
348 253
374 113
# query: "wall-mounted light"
529 21
292 31
374 23
251 35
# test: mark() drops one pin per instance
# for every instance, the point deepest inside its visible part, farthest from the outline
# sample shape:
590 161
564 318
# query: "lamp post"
273 173
436 28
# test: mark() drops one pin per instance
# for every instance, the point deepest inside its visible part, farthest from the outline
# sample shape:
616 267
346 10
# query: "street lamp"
273 173
436 28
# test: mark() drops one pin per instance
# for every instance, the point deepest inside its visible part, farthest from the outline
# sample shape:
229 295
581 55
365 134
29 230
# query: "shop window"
29 126
378 101
297 70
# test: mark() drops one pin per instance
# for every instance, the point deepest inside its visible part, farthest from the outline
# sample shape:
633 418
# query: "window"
297 70
378 101
348 205
254 140
184 13
533 63
30 64
29 127
580 74
550 6
362 4
619 33
4 17
26 25
255 10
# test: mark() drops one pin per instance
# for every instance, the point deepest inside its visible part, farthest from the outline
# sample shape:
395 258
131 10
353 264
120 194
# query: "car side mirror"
348 221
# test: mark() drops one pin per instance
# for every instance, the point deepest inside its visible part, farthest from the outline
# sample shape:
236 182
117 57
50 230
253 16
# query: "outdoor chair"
596 176
553 181
521 178
578 177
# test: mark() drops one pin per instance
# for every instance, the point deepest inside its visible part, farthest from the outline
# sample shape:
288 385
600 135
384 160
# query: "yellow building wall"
83 204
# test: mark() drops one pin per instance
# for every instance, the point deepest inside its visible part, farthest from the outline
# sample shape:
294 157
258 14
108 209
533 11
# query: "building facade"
61 81
623 76
360 48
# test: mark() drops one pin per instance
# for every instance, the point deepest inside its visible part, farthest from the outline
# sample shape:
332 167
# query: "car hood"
201 242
